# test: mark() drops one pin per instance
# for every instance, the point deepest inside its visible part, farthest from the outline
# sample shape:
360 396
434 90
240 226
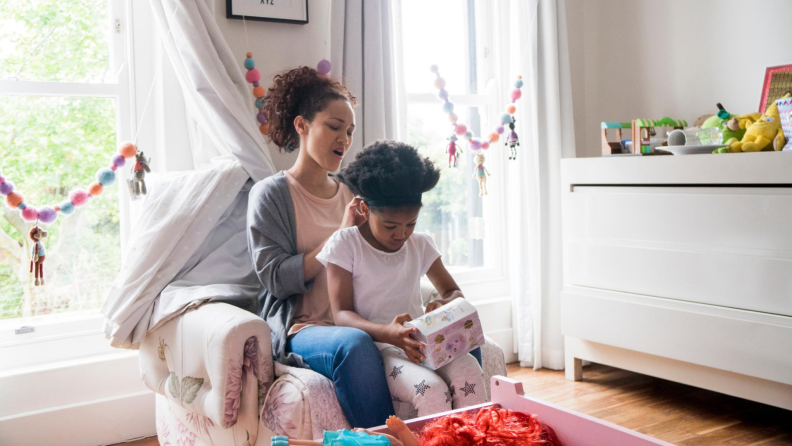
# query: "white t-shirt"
385 284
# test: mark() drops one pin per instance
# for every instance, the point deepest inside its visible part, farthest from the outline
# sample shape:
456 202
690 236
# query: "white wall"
676 58
277 47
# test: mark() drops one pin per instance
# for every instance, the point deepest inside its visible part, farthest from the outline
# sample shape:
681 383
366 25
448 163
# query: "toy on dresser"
785 111
448 332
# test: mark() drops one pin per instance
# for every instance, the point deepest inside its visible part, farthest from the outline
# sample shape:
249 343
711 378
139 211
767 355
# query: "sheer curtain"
188 244
536 45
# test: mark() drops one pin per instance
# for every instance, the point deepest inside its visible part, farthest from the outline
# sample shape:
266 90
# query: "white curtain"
176 237
361 41
535 40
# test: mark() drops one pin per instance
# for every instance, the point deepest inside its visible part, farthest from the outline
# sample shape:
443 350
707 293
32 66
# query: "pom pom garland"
47 214
253 76
30 213
460 129
78 197
105 176
324 67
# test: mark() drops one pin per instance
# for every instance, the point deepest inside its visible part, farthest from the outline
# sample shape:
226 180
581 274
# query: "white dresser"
680 267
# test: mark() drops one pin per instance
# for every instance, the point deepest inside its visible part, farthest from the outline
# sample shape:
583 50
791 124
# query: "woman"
290 217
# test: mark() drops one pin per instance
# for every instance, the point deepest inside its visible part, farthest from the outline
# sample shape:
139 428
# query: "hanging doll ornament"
37 234
481 173
137 185
452 150
512 141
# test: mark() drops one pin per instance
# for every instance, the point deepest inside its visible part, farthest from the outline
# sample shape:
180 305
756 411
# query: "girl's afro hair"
388 170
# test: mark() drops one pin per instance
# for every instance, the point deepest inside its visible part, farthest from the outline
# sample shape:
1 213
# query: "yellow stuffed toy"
764 134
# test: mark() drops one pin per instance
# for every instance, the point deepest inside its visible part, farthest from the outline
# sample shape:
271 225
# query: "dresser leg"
573 368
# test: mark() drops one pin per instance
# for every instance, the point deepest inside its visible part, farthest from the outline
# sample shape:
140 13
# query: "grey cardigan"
272 243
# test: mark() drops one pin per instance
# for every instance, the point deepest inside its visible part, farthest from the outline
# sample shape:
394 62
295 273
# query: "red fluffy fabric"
489 427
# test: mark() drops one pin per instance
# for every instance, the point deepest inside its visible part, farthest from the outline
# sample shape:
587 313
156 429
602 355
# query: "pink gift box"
449 332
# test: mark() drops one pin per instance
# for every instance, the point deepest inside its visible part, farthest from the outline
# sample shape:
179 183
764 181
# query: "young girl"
374 272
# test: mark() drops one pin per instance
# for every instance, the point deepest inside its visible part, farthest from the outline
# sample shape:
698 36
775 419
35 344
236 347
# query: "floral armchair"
217 384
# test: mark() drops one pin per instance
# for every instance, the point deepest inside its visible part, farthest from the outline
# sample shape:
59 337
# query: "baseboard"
97 422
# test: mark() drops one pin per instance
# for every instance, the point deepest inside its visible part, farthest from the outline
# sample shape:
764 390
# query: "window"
63 109
453 35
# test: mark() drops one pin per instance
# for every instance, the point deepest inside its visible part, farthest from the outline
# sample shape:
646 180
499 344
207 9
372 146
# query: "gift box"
448 332
785 112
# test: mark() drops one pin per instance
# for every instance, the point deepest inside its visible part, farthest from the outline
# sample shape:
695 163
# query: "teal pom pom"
505 118
66 208
21 206
250 63
448 107
260 103
518 83
105 176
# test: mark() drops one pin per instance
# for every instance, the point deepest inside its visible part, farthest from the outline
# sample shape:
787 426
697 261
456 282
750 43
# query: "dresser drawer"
727 246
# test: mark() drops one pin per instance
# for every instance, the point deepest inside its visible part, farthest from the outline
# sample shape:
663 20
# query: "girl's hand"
433 305
399 335
351 215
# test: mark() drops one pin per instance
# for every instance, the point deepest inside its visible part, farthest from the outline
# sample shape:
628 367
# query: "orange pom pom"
249 54
95 189
57 208
264 129
259 91
519 77
13 199
511 109
494 136
453 118
127 150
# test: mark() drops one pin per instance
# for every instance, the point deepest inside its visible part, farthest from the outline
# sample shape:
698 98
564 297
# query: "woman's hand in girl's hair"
399 335
352 216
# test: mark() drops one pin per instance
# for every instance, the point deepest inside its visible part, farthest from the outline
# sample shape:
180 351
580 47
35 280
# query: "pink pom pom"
439 83
78 197
485 145
29 213
460 129
113 167
253 75
453 118
323 67
47 214
515 94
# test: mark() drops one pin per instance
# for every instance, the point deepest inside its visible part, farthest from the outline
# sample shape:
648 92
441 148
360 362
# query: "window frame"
66 336
491 280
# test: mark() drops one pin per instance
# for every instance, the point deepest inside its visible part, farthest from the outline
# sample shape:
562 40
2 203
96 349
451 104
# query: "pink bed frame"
572 428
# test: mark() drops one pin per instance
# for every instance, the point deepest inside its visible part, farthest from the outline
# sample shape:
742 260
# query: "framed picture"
284 11
777 82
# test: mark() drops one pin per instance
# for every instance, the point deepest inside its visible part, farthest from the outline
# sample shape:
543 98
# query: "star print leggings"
457 384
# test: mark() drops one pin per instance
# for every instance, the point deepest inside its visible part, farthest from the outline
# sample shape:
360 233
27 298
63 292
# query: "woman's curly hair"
388 171
298 92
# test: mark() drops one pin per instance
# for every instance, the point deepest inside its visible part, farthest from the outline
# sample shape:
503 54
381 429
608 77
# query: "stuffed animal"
137 185
731 126
764 134
37 256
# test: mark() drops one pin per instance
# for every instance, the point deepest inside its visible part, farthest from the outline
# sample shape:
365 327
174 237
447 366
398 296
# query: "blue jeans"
349 358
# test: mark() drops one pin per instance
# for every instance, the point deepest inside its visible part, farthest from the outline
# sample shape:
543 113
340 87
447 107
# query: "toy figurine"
481 173
137 186
37 257
512 141
452 151
358 437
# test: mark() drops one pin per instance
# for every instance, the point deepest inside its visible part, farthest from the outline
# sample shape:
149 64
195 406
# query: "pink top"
317 219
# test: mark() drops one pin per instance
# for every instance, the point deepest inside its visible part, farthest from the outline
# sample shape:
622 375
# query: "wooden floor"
673 412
